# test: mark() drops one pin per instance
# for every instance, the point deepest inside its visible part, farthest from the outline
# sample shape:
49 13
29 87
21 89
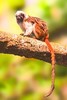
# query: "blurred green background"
29 79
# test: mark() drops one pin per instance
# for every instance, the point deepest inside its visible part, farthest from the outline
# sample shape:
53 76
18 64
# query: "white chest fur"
26 25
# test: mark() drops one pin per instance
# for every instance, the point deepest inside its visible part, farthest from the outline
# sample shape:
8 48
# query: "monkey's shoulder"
36 20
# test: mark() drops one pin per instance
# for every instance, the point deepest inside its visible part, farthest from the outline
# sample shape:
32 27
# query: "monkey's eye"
22 15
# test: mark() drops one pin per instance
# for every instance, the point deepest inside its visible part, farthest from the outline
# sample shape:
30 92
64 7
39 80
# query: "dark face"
20 18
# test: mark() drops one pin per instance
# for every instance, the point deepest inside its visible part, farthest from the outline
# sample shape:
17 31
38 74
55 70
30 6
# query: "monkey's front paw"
26 34
22 34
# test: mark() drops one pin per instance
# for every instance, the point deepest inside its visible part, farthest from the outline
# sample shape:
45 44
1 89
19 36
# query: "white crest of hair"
19 12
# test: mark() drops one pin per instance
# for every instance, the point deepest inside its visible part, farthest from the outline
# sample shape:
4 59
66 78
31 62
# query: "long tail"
53 66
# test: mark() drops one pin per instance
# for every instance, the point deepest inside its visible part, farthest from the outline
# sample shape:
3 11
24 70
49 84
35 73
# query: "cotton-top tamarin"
34 27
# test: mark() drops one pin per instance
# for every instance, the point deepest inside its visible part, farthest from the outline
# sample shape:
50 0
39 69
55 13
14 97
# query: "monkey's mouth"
19 19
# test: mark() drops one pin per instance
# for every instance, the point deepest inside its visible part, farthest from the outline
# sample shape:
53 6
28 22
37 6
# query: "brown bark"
31 48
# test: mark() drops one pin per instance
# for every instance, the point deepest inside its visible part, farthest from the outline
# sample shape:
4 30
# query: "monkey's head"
20 16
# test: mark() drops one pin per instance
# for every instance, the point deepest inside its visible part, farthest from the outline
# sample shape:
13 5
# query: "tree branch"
31 48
